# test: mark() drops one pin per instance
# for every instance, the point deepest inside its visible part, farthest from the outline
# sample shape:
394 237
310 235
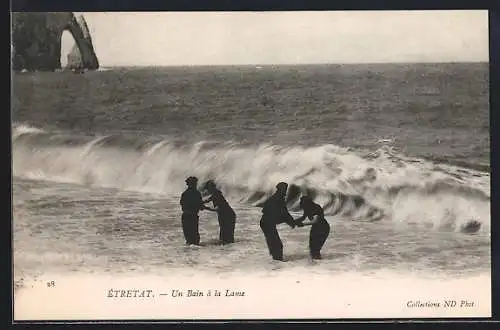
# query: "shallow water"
85 229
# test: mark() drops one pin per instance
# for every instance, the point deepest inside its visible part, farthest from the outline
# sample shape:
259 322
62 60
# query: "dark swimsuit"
191 203
226 217
319 230
274 212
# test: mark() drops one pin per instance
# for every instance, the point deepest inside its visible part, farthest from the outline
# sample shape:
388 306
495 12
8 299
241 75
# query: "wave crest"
366 186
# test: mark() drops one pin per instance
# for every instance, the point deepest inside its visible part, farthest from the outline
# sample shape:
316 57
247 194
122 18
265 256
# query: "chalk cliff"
36 41
74 57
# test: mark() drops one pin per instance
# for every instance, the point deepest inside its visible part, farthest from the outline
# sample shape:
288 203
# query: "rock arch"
36 39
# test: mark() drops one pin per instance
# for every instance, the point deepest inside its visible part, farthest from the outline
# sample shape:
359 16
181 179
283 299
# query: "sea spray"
362 185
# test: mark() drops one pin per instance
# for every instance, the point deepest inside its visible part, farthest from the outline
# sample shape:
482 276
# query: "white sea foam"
362 186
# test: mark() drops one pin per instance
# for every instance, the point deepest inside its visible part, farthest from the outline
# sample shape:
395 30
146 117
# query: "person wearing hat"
225 214
274 212
191 204
320 229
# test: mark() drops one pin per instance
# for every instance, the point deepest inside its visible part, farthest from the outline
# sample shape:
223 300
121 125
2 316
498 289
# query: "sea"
398 155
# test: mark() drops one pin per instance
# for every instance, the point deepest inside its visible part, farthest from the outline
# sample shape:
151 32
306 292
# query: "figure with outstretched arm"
225 214
274 212
191 203
320 228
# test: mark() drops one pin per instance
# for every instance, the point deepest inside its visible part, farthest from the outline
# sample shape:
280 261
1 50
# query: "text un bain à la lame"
136 293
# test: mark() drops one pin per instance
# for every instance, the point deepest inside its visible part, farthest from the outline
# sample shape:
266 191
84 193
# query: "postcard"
250 165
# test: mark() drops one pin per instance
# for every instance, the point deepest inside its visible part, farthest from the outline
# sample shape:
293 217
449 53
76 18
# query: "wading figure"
191 203
320 229
274 212
225 214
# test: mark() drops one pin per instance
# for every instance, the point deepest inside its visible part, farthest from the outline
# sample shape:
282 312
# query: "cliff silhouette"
36 41
74 58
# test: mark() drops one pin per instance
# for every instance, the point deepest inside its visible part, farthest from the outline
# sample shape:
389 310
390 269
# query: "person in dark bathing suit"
320 229
225 214
191 204
274 212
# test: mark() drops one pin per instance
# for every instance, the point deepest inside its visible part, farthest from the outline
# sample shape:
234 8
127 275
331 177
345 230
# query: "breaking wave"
362 185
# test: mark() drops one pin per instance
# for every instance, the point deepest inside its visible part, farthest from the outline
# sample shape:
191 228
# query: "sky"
253 38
